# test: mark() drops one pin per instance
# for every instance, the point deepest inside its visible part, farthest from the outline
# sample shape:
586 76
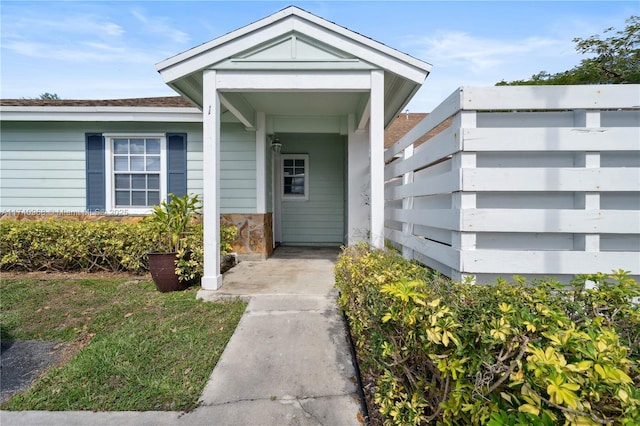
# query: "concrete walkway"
288 362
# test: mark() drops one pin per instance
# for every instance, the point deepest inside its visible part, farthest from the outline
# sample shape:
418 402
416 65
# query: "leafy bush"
72 245
537 353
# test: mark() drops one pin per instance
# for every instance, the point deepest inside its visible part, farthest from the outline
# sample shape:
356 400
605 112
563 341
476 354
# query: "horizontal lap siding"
320 220
237 169
42 165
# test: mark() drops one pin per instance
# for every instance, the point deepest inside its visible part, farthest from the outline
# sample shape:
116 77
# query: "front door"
309 189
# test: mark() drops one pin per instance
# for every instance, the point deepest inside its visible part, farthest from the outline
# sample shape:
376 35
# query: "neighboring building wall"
549 189
319 220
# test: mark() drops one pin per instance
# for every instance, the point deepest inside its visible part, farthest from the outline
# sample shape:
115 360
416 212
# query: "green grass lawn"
134 348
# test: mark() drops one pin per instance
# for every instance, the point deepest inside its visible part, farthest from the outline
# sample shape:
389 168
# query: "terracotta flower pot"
163 271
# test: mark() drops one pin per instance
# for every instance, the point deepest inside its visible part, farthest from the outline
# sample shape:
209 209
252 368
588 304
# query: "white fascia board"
247 29
208 54
204 59
365 48
149 114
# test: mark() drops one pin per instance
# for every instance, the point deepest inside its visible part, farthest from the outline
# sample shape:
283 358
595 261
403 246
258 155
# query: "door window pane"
294 177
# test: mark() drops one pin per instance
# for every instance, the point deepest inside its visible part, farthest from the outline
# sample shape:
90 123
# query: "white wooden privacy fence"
534 181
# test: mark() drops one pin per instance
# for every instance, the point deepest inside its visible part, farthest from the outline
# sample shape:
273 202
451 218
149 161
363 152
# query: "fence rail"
528 180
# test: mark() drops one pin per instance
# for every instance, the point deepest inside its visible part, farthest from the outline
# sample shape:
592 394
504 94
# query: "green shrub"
537 353
70 245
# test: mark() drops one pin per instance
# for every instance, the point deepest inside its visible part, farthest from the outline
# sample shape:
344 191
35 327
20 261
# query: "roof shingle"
166 102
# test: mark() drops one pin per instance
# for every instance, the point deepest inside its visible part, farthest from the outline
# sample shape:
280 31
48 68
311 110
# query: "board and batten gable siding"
320 219
43 165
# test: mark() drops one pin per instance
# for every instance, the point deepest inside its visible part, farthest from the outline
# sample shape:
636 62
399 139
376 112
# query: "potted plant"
175 231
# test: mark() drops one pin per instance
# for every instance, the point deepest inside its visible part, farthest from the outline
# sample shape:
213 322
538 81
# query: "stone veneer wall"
255 236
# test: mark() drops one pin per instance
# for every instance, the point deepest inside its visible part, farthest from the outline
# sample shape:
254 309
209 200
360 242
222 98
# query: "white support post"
407 204
463 200
212 279
590 119
376 158
261 163
357 183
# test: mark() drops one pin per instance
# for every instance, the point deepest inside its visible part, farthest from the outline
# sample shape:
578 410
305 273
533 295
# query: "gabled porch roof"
295 39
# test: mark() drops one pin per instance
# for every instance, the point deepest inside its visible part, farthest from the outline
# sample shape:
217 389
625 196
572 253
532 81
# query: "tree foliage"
615 60
46 96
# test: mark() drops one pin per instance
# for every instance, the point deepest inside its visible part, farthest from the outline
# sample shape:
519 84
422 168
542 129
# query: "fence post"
463 200
407 204
589 119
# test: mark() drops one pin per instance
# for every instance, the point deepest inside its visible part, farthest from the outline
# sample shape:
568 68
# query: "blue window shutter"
177 163
95 171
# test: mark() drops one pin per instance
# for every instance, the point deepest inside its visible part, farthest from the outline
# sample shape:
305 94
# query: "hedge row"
536 353
72 245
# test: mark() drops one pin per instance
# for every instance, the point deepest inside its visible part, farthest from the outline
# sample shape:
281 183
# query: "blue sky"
106 50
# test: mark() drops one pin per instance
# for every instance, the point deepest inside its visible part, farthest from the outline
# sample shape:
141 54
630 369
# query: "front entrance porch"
290 270
293 72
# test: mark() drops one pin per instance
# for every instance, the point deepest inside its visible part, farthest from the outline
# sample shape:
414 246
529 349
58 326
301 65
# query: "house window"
295 176
136 171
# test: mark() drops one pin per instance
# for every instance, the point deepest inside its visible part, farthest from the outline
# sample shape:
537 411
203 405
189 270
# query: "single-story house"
280 127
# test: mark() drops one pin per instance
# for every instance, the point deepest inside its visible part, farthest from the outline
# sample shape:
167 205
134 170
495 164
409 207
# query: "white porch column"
376 158
212 279
357 183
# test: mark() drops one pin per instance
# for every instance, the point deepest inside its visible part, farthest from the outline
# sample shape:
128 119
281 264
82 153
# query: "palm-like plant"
171 220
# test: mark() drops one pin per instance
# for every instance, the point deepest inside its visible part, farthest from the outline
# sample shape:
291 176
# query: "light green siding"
42 164
320 219
237 169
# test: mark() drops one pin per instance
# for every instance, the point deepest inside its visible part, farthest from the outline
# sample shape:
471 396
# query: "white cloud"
58 26
160 26
480 54
463 59
81 52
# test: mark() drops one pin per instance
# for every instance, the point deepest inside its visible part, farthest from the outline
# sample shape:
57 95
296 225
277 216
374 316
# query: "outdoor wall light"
276 146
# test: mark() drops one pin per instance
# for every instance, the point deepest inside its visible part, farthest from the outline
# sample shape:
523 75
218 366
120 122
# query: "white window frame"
295 197
110 175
